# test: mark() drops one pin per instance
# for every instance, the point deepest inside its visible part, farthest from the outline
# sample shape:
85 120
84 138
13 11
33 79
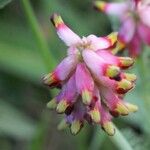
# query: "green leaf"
21 62
3 3
14 123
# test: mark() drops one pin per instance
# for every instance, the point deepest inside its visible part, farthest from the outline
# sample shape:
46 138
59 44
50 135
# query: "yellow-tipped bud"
126 61
132 107
112 71
62 125
100 5
48 79
52 104
86 97
119 46
109 128
95 115
113 37
122 109
56 20
75 127
62 105
124 85
130 77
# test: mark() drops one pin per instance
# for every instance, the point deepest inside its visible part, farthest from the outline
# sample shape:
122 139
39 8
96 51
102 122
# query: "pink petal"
98 67
108 57
135 46
72 51
84 83
64 32
144 33
95 63
67 97
62 71
100 42
110 97
69 90
117 9
127 30
144 11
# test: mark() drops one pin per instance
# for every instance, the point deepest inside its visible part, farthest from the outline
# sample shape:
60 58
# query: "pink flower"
135 22
91 80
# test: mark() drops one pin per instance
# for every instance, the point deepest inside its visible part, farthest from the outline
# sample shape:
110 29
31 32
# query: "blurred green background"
25 122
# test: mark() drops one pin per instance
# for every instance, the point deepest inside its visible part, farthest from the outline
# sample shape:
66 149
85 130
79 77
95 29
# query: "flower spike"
135 29
92 80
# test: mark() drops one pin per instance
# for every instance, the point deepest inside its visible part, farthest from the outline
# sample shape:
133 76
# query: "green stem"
41 41
97 139
120 141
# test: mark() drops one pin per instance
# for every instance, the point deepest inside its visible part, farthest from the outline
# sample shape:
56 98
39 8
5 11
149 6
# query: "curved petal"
62 71
117 9
127 30
84 83
106 123
108 57
64 32
144 11
98 42
110 97
103 42
99 68
95 63
135 46
95 107
67 96
144 33
116 106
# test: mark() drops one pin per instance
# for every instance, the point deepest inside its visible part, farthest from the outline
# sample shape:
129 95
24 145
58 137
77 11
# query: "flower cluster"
135 22
91 80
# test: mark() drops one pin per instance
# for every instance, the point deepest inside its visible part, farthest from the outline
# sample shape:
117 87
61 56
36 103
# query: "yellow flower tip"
113 37
124 86
130 77
62 105
52 104
62 125
95 115
86 97
100 5
47 79
112 71
126 61
132 107
56 20
122 109
109 128
119 46
75 127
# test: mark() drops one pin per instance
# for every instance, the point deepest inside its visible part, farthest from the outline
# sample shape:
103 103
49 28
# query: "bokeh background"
25 122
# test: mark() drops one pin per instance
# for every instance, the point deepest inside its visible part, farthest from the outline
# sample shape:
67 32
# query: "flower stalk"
37 31
119 140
